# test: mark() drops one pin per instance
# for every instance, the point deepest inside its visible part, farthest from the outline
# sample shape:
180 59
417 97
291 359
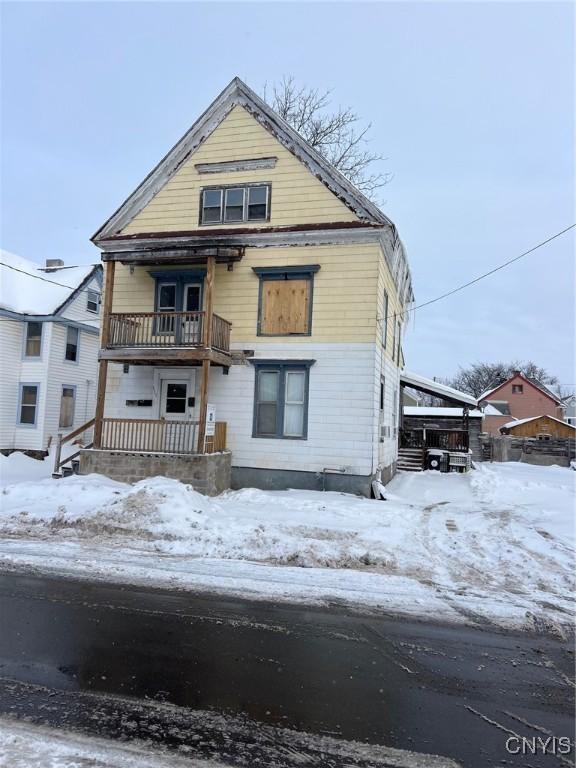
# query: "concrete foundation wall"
208 473
282 480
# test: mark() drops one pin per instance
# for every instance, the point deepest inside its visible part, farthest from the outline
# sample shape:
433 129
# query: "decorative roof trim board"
238 94
228 166
27 317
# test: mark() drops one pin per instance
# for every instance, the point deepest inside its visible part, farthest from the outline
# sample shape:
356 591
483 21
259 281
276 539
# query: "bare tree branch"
336 134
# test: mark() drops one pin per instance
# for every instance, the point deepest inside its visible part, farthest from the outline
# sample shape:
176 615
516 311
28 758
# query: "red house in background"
518 398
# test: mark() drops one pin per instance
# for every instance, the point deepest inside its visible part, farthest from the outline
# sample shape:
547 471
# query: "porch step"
410 459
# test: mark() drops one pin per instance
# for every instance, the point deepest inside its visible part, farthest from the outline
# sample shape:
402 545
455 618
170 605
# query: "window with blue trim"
33 346
28 404
281 400
72 335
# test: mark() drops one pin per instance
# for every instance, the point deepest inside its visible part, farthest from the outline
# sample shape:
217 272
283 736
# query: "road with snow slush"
252 683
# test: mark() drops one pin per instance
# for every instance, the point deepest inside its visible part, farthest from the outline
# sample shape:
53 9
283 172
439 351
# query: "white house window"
33 339
93 301
28 404
67 402
235 204
281 401
72 344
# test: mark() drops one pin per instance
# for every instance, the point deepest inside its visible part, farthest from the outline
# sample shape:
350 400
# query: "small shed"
542 427
446 419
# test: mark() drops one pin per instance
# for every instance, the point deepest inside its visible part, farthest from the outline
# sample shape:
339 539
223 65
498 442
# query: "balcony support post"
104 339
204 384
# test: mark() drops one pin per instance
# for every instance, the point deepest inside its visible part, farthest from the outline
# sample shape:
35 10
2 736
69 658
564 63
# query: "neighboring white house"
49 340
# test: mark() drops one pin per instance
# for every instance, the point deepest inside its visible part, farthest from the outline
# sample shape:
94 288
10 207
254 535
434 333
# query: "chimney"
517 373
53 264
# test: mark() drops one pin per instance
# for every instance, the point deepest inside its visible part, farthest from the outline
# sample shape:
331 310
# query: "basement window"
229 205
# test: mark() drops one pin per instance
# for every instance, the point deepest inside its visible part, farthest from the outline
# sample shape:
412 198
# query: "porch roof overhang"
430 387
174 255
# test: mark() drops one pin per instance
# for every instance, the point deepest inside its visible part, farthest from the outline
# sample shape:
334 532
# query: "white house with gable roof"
49 339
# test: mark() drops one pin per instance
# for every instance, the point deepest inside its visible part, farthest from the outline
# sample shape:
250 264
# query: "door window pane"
192 298
211 206
176 398
33 339
234 205
167 297
72 344
67 407
28 403
257 203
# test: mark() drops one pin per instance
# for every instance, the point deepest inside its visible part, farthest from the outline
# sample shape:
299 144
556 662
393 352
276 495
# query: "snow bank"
496 544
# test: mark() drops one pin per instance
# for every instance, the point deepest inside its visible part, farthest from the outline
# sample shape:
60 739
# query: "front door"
191 331
174 407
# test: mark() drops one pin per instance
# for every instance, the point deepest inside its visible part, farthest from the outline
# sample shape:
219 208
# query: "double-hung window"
28 405
234 204
93 301
33 346
72 335
281 399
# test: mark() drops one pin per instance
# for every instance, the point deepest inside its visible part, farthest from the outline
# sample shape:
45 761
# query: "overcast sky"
471 103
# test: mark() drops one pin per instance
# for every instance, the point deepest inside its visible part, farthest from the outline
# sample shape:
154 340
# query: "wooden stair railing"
58 460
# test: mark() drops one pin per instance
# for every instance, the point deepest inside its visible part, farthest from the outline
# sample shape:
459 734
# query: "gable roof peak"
237 93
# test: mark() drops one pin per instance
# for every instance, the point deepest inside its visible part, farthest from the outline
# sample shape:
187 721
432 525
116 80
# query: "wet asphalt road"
113 661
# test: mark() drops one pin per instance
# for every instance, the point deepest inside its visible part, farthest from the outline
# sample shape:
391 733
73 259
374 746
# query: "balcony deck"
148 337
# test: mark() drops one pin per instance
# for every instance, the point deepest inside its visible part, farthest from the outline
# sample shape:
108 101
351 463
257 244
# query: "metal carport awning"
430 387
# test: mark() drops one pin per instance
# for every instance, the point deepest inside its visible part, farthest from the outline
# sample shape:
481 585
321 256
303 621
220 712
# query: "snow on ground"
23 745
495 545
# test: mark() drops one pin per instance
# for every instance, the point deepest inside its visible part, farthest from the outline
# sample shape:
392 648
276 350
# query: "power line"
481 277
47 280
397 314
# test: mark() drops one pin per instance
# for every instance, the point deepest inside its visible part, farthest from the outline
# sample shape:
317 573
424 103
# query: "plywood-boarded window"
67 402
285 306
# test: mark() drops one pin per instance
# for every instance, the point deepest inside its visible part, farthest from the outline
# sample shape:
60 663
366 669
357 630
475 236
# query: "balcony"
164 336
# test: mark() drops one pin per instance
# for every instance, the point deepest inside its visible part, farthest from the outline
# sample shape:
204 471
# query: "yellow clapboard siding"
344 294
297 196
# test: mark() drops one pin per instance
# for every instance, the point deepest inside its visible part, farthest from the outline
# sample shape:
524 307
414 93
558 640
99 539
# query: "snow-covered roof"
491 410
435 388
516 422
28 290
414 410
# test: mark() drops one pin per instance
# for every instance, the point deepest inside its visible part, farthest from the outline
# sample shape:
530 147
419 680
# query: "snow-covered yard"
496 545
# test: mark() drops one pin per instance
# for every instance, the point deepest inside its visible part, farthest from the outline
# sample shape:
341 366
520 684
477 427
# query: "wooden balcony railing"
220 333
165 329
158 436
446 439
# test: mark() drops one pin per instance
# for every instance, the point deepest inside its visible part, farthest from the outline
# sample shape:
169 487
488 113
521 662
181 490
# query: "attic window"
227 205
92 301
517 389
